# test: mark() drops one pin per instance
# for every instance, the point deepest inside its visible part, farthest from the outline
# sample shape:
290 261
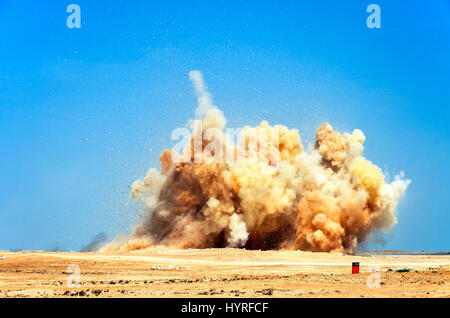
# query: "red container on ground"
355 268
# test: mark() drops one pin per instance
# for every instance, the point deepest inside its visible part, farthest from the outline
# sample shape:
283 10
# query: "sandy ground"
222 273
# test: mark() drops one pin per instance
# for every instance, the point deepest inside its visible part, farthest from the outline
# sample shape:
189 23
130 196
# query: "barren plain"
163 272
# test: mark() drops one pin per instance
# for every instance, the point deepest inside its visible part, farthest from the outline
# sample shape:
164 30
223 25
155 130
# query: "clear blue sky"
85 112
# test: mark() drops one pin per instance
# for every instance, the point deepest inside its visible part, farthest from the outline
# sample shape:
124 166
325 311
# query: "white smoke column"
206 110
238 234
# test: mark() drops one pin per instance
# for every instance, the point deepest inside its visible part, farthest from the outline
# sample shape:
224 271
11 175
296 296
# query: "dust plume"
96 243
264 192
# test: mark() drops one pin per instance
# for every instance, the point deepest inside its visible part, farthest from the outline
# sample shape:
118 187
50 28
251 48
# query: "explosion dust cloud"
268 192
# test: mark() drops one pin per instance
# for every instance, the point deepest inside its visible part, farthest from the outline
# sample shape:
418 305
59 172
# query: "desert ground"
163 272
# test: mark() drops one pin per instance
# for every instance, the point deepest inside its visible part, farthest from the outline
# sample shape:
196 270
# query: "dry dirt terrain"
158 272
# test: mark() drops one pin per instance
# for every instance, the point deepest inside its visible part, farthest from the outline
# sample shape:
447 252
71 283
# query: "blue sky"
84 112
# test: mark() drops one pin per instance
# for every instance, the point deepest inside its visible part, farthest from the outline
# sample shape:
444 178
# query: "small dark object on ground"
404 270
267 292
